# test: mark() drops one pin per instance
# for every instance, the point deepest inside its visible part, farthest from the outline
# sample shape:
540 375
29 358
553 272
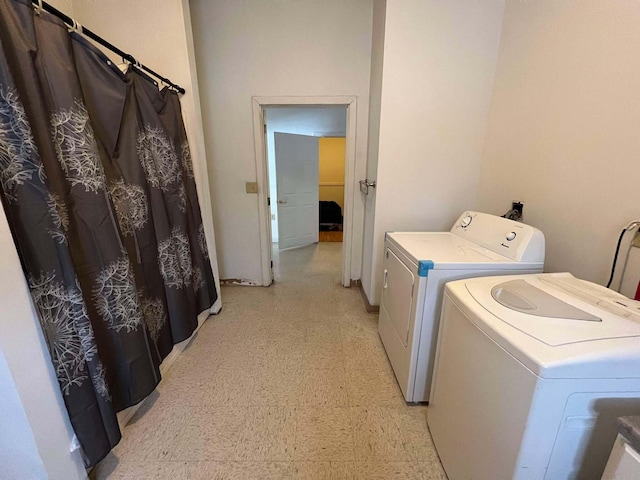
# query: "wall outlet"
518 207
251 187
515 213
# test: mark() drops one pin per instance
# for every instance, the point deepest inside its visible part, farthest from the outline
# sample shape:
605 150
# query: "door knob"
282 202
365 184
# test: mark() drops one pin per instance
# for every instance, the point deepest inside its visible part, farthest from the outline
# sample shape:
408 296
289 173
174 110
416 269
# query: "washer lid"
525 298
558 309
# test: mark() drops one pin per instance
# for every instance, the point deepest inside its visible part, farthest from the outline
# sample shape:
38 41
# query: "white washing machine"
531 374
416 267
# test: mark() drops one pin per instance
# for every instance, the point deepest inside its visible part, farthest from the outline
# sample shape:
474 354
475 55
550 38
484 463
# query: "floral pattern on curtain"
99 193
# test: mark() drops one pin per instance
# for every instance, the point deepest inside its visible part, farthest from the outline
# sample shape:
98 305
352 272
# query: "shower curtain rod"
85 31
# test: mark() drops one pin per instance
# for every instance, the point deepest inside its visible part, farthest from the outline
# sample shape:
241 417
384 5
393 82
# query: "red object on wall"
637 297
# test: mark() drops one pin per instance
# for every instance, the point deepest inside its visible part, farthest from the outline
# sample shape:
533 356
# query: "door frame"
262 174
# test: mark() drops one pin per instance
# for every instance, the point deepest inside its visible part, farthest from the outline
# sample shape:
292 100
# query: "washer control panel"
514 240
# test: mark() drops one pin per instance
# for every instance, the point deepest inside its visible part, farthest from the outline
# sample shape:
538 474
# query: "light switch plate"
252 187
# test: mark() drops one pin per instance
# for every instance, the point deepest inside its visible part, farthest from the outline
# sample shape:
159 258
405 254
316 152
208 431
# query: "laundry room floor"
287 382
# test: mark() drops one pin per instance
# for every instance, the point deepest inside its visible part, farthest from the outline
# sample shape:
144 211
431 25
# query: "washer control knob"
464 223
511 236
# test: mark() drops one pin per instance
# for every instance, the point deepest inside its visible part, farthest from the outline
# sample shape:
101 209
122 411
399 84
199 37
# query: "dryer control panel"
514 240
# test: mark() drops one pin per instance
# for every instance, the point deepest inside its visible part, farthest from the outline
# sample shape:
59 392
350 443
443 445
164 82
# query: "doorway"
306 157
323 124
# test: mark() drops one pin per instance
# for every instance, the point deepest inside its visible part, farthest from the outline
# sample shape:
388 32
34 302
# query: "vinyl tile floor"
287 382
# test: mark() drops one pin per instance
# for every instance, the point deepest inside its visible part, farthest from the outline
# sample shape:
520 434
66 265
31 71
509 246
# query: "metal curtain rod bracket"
40 5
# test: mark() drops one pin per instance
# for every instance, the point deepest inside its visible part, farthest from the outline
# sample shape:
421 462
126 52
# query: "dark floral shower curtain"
98 188
166 159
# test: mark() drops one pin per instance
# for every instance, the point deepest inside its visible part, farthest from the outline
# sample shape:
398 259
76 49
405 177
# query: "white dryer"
416 267
531 374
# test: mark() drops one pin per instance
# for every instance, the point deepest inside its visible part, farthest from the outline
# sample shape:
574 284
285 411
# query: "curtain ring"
39 7
75 27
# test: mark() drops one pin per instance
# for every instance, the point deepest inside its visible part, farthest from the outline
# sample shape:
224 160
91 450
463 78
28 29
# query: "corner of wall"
196 130
375 99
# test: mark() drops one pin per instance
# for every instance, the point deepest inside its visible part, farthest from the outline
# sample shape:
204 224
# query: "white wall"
247 48
38 434
19 457
439 62
314 121
158 34
65 6
564 130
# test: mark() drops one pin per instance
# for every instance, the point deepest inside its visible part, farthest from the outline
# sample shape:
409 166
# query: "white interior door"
297 182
